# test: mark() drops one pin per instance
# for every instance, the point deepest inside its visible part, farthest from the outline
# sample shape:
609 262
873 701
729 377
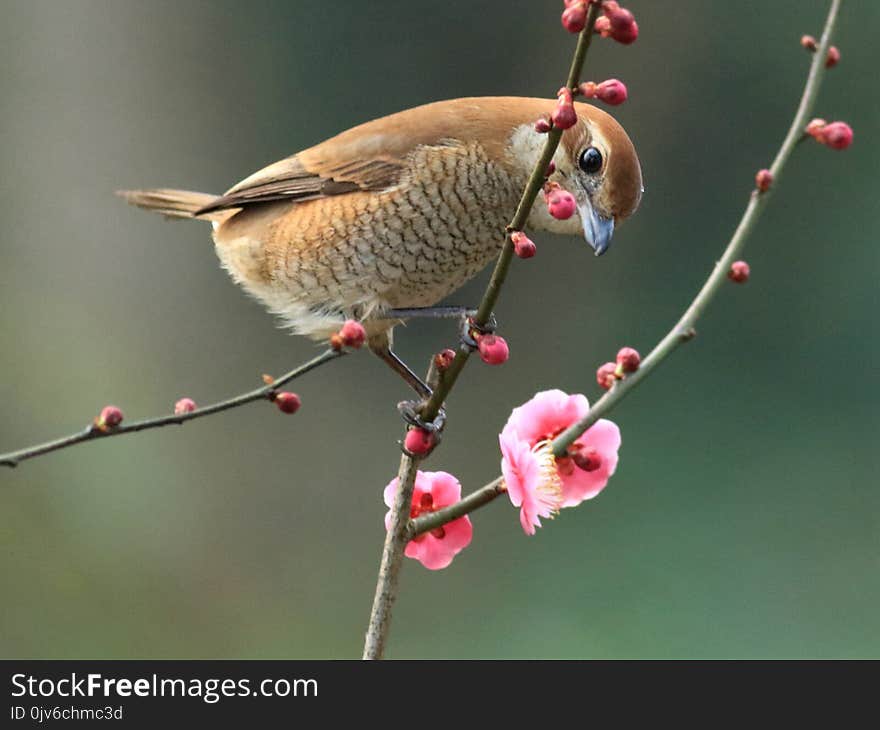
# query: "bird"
385 220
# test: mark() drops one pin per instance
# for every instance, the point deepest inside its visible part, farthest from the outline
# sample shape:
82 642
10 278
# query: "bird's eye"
591 160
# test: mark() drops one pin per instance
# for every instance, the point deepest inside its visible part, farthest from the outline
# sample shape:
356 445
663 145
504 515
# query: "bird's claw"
470 330
411 410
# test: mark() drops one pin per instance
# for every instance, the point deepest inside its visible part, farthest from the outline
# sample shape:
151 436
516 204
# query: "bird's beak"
597 229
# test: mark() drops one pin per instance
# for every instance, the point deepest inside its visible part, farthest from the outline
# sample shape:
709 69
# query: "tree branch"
93 433
399 531
683 331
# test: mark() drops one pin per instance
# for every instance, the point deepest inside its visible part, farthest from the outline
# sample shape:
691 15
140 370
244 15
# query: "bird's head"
597 163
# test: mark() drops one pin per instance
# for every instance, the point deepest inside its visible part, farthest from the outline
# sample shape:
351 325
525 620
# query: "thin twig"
683 331
92 433
398 532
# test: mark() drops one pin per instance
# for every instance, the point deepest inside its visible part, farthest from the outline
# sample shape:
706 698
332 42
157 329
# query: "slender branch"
92 433
398 532
683 331
465 506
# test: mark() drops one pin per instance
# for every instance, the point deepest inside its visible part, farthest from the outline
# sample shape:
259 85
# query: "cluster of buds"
560 203
812 45
108 419
351 335
739 272
628 361
617 23
836 135
611 91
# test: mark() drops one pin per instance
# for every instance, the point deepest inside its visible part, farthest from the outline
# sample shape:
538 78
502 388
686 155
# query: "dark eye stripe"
590 160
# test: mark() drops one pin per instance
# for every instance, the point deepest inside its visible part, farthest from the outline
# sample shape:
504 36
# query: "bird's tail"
173 203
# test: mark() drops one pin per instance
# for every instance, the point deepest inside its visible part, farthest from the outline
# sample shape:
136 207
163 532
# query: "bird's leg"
450 312
390 358
463 314
470 329
410 409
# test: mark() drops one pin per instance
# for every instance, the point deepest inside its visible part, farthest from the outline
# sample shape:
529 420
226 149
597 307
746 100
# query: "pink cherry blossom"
434 490
542 419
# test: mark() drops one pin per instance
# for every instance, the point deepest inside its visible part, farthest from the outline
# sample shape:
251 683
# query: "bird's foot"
470 330
430 432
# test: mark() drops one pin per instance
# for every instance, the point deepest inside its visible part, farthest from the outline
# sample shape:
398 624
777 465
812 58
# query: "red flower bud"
815 127
809 43
287 402
587 459
493 349
837 135
551 168
739 272
184 405
110 417
763 180
574 17
612 92
523 246
352 334
418 441
833 57
443 359
560 203
542 126
620 24
629 359
606 375
564 115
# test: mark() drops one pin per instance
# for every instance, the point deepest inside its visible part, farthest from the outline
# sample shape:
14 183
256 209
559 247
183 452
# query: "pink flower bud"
621 25
560 203
602 26
629 359
612 92
564 115
493 349
815 127
574 17
587 459
353 334
809 43
287 402
542 126
836 135
606 375
739 272
418 441
763 180
833 57
110 417
184 405
523 246
443 359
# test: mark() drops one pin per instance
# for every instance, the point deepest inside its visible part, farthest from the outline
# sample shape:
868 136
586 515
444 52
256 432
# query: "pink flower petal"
545 415
580 485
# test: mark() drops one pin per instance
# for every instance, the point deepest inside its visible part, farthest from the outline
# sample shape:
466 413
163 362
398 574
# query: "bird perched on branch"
398 213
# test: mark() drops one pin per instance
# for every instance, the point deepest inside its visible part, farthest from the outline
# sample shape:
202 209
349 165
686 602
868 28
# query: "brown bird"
398 213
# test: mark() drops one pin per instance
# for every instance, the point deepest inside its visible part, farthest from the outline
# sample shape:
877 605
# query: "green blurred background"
743 520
